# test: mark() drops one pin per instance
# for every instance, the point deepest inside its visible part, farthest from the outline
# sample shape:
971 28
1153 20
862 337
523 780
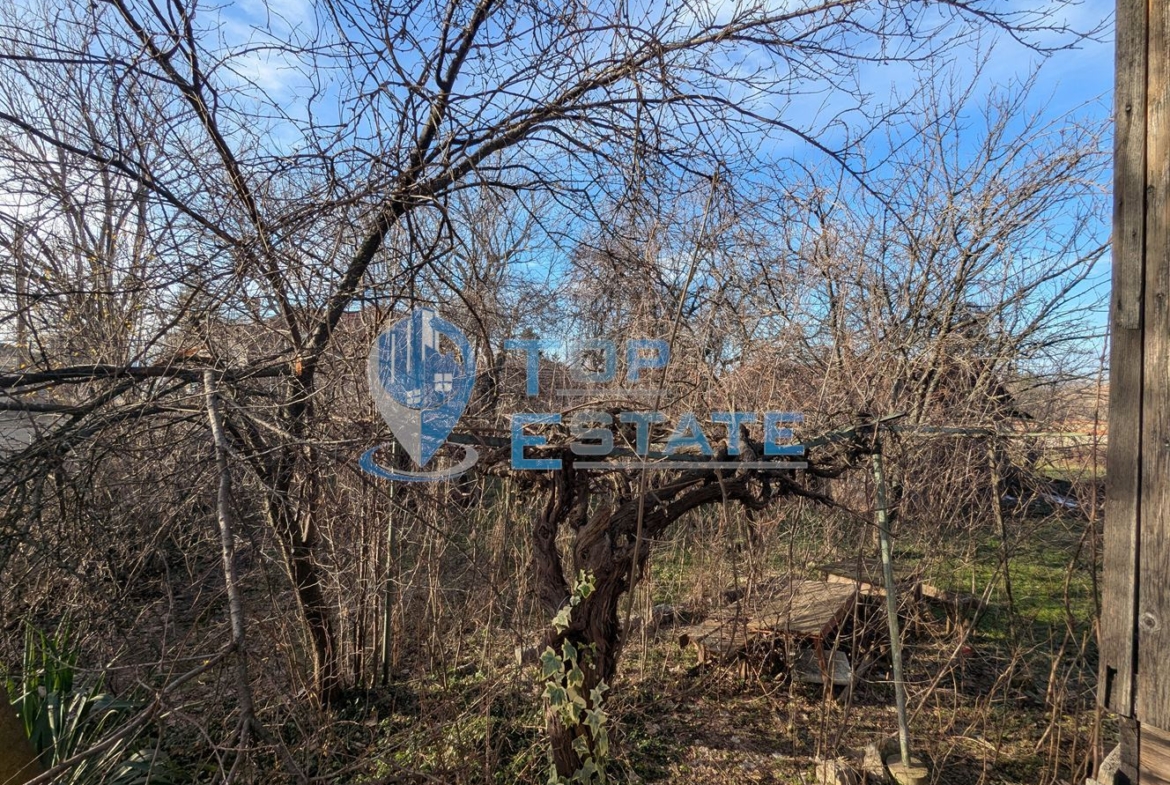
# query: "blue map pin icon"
419 389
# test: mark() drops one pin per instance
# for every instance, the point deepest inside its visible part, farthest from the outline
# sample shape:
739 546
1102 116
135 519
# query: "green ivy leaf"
575 677
556 694
594 720
561 620
587 773
550 663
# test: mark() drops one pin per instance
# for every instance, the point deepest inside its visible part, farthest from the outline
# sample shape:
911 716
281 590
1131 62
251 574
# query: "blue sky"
1078 80
1069 78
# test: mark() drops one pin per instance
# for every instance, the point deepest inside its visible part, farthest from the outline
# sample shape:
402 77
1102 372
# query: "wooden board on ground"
814 667
716 638
867 574
957 598
806 609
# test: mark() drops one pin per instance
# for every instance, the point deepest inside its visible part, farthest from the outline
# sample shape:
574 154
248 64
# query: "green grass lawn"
1048 564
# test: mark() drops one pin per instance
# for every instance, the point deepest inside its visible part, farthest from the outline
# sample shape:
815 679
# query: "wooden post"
1119 590
1135 623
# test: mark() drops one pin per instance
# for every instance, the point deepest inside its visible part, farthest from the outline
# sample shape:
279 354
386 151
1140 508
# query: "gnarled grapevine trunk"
593 631
605 546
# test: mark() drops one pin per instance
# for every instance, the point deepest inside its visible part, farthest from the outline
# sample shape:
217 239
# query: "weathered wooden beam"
1152 699
1153 756
1124 456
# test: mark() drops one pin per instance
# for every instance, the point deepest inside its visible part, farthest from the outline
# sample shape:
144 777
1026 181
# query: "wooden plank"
958 599
868 576
805 609
1152 705
1153 756
723 637
812 667
799 609
1127 769
865 587
1129 155
1122 522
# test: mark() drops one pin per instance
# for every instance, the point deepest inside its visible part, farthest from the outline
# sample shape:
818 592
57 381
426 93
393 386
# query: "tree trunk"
297 543
290 511
593 629
604 546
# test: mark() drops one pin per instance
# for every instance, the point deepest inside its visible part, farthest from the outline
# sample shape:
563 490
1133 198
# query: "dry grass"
1016 705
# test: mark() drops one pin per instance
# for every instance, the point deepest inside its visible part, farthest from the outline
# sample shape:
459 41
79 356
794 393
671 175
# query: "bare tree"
229 221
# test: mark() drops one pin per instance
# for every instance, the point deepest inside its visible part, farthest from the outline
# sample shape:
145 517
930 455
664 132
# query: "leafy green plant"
62 720
566 693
